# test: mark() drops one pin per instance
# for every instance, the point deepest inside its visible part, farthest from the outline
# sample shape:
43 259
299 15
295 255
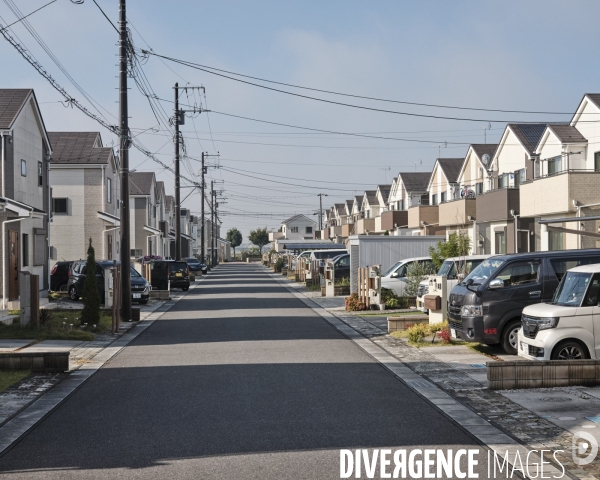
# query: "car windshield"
572 288
484 271
391 269
192 260
175 266
446 268
134 272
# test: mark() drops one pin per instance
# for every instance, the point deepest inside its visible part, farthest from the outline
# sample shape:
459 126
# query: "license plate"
453 333
137 295
179 274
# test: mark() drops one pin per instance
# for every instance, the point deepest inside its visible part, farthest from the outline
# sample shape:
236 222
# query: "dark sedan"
195 265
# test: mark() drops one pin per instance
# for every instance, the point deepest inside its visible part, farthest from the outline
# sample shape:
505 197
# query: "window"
480 173
443 197
343 262
591 297
40 249
40 174
500 242
309 230
519 273
434 199
479 188
60 206
502 181
597 161
136 252
555 165
555 241
519 177
109 190
25 250
293 229
23 168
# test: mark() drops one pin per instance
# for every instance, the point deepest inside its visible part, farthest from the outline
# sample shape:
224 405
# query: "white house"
298 227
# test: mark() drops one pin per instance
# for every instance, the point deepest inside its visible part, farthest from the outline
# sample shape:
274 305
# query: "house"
441 187
186 233
511 166
347 220
368 211
169 227
409 189
298 227
24 193
382 194
84 181
145 236
566 162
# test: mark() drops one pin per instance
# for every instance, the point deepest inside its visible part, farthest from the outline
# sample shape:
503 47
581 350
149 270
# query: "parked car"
170 272
59 276
454 269
341 266
195 265
566 328
486 306
395 277
140 288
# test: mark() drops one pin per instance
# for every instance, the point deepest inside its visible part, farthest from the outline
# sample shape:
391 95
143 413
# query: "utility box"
109 287
438 287
29 289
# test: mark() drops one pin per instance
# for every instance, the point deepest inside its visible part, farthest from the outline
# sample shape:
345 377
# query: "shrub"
342 282
415 274
279 264
353 304
417 332
393 301
444 336
91 297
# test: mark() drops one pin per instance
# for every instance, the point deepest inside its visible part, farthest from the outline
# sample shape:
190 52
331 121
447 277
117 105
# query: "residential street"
238 380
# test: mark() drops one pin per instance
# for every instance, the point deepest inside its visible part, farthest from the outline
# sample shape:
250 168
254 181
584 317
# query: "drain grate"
557 399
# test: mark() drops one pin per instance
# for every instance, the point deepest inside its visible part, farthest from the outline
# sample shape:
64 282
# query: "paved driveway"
239 380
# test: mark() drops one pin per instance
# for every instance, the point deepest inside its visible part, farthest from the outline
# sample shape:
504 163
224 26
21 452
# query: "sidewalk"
537 419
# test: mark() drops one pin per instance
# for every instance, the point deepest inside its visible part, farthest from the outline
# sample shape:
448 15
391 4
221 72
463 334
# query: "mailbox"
432 302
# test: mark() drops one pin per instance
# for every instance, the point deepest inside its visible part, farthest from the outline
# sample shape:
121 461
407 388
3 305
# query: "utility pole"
177 179
125 247
321 195
212 223
202 212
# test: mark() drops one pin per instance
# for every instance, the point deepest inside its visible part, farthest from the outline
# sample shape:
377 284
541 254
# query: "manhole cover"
557 399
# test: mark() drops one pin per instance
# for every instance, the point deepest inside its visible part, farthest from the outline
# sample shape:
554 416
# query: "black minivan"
486 306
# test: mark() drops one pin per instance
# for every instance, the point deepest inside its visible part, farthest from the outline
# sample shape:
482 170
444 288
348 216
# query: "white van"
395 276
455 269
319 255
564 329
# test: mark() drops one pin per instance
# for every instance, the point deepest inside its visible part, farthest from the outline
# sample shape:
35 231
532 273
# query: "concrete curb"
489 435
18 426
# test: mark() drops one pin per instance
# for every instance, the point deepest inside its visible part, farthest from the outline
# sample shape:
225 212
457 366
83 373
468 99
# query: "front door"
13 265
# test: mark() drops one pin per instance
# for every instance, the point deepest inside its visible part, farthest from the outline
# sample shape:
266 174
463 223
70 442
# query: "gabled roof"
567 134
160 187
78 148
529 134
349 204
588 97
297 217
169 202
415 181
481 149
384 190
451 168
140 183
358 199
371 196
12 100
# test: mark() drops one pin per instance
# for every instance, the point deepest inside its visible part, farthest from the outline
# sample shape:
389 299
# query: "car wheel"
510 337
570 350
185 289
73 295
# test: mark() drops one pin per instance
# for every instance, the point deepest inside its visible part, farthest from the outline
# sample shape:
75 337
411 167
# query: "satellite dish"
485 159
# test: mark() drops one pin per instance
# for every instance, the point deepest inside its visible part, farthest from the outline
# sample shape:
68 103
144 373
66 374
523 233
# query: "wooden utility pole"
124 142
177 179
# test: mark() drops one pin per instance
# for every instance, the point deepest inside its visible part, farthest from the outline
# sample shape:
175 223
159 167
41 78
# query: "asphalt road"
238 380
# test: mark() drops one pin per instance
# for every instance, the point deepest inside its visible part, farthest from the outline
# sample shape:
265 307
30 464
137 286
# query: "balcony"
456 212
496 205
334 231
393 217
347 230
275 236
555 193
422 213
365 225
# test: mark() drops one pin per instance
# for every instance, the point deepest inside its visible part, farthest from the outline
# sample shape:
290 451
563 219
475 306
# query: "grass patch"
10 377
54 329
425 342
14 312
313 288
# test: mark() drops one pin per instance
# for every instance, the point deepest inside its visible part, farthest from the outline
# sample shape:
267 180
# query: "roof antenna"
485 129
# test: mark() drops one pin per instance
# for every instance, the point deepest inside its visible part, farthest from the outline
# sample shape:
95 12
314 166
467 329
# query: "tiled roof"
11 102
451 167
415 181
140 183
385 190
482 148
295 217
567 134
529 134
78 148
371 196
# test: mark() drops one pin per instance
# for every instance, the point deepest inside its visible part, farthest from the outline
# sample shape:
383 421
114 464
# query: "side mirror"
394 275
496 283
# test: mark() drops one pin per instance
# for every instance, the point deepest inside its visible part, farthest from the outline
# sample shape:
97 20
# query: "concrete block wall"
48 362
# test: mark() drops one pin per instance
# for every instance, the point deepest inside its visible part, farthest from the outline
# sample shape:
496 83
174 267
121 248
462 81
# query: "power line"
29 14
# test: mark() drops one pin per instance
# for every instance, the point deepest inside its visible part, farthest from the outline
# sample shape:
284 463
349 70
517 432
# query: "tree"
415 274
457 245
234 236
259 237
90 294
